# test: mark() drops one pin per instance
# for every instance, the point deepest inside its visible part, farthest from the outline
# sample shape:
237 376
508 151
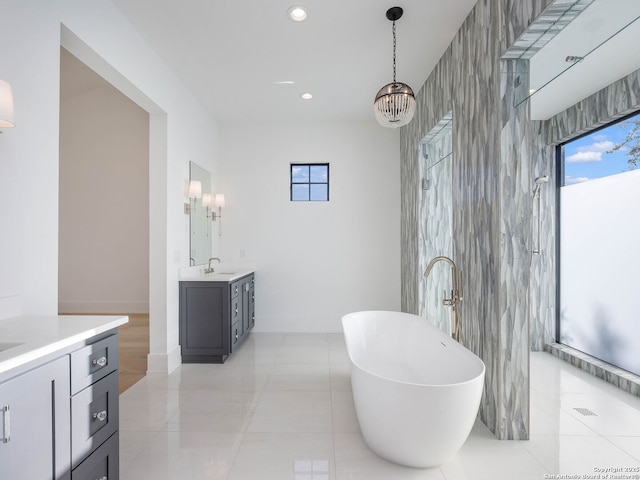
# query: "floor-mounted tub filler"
416 391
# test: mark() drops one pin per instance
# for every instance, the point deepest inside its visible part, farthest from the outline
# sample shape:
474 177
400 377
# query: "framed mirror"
200 223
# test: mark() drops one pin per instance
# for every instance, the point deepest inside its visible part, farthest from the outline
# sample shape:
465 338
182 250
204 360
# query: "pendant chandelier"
395 103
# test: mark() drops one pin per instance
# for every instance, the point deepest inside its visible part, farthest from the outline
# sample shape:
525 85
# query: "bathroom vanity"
217 311
59 397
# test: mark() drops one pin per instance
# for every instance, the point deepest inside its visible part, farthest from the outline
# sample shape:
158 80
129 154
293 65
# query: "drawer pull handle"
101 362
100 416
6 434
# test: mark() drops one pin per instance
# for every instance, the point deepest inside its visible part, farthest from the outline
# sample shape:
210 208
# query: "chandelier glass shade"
395 103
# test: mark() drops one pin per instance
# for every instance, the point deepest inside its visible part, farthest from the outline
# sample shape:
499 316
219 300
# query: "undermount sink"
7 346
224 273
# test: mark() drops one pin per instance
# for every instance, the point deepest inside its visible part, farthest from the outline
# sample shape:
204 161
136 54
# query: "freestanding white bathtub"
416 390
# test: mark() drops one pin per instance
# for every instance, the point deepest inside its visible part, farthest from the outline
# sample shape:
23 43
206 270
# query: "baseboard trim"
164 362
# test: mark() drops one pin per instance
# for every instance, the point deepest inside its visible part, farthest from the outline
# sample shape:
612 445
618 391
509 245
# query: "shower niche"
436 221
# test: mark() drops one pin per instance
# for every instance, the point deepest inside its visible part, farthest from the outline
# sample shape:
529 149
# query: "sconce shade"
395 105
207 200
6 105
219 200
195 189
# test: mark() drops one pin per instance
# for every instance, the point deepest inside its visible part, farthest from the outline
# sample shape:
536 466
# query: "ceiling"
232 54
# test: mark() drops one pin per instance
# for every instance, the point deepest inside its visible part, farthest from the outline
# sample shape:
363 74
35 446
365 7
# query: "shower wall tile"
491 172
510 294
436 216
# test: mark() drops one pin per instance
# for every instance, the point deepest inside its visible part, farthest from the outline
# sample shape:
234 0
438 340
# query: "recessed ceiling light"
285 82
307 96
297 13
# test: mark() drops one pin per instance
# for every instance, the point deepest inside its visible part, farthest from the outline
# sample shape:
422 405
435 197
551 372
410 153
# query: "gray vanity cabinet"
34 424
243 314
214 318
59 419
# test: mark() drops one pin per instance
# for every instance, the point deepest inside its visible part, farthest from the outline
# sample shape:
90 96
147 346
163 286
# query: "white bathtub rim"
404 382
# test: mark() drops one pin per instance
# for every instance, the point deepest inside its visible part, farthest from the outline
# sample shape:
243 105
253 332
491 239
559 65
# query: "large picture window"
599 237
309 182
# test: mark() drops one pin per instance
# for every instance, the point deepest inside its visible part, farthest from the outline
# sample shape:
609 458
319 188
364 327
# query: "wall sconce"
207 202
6 105
195 192
218 201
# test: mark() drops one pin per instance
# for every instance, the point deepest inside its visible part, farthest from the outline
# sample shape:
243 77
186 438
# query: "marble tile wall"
510 293
491 171
436 217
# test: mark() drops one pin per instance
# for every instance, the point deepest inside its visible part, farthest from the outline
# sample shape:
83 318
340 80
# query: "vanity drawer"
94 417
235 310
236 333
93 362
235 289
103 464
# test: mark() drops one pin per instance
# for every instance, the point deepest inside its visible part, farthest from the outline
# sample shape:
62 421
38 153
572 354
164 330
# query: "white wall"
180 131
315 261
103 196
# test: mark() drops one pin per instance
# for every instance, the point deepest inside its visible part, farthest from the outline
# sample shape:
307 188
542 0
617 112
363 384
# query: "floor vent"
586 412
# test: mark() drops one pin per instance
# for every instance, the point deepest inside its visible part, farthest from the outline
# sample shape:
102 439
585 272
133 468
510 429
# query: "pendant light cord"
394 51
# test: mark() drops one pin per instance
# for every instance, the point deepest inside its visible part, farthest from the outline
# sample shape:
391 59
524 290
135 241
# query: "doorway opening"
103 259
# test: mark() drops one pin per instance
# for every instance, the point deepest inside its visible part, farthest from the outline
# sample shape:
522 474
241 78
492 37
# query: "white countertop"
27 338
221 273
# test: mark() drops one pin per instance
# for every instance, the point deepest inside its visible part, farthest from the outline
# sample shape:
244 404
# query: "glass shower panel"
436 221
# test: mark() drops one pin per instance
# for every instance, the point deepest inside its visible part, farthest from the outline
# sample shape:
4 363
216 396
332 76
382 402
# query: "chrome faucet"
209 269
456 293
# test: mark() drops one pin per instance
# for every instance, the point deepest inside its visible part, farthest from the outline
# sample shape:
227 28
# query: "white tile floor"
281 408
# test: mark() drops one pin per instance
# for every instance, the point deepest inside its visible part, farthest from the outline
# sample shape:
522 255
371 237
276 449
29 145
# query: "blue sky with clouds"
586 158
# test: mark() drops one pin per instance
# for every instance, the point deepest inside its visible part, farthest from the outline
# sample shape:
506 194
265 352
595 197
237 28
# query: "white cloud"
602 146
591 153
574 180
584 157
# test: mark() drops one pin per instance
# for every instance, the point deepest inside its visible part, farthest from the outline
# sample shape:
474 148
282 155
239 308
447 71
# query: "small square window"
309 182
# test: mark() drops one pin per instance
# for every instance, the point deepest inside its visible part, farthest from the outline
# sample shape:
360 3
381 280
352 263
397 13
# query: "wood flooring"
134 348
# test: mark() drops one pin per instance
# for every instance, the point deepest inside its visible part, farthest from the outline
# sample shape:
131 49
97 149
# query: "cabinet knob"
237 336
100 416
236 310
101 362
103 478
